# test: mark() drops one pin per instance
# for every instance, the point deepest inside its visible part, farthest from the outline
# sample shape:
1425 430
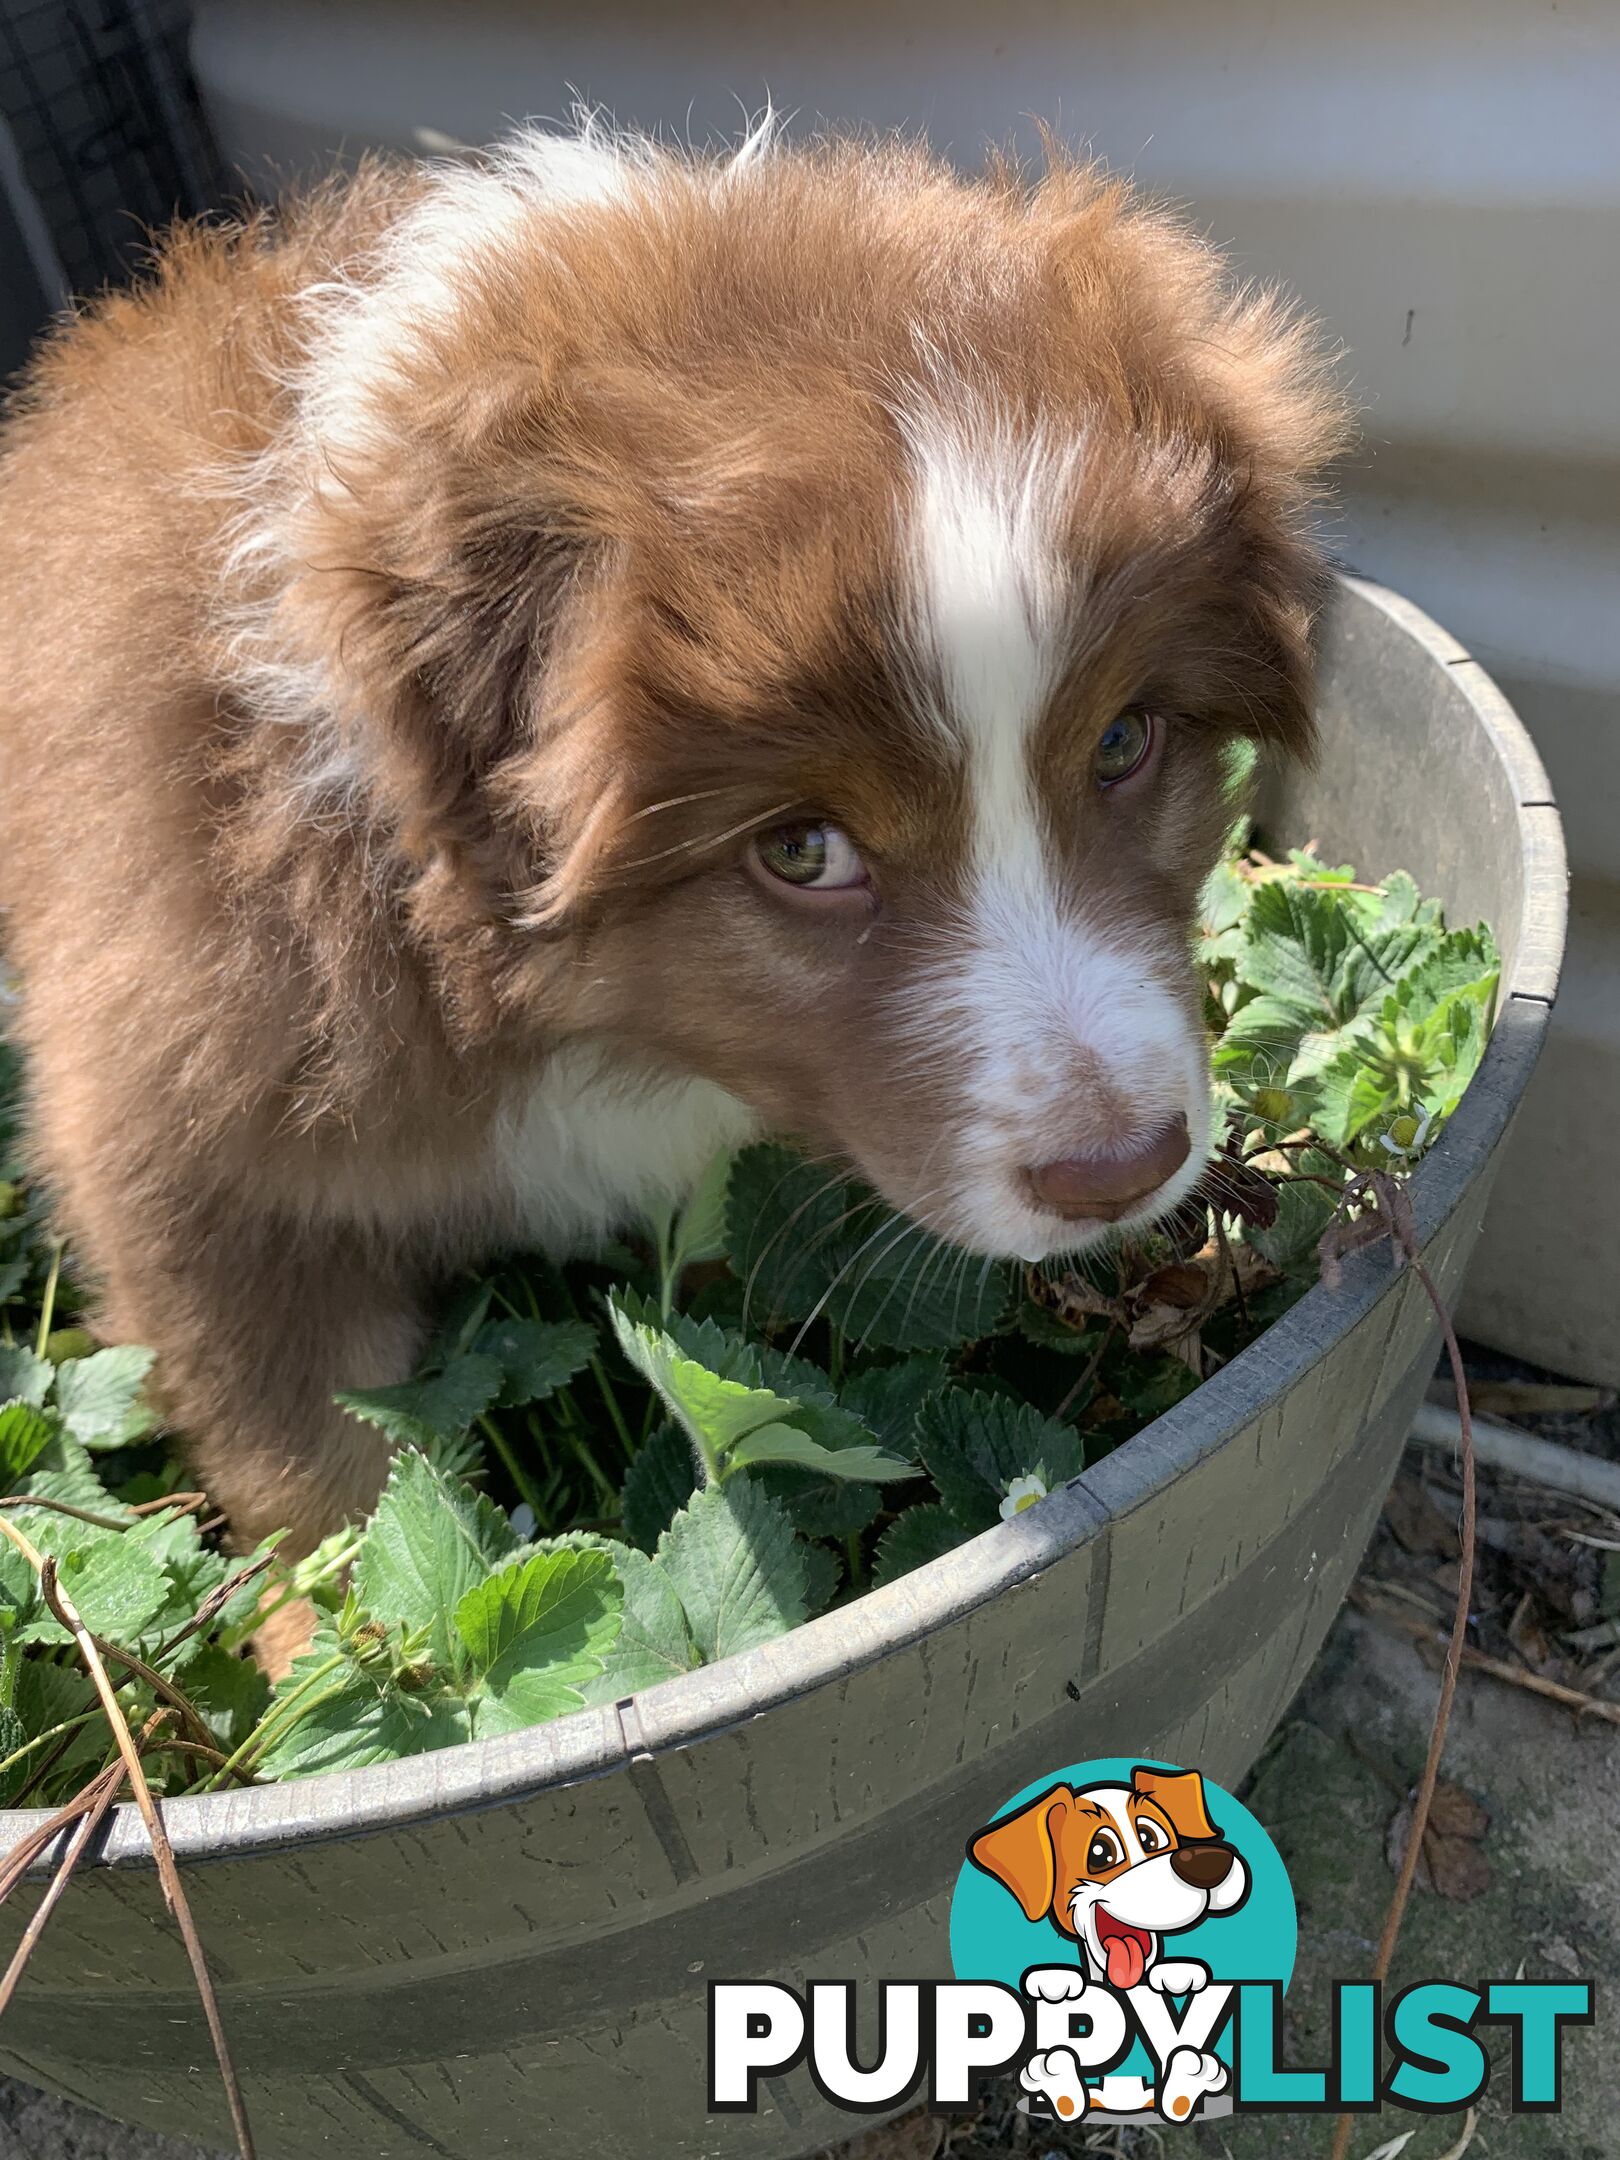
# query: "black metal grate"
106 127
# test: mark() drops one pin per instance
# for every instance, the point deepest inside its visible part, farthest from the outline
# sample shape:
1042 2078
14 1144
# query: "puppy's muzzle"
1203 1866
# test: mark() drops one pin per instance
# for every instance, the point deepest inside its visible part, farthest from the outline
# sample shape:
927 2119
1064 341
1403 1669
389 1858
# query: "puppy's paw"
1055 2076
1189 2075
1055 1983
1177 1976
284 1636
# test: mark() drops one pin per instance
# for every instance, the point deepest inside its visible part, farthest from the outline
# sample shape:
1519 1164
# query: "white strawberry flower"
1023 1492
1408 1135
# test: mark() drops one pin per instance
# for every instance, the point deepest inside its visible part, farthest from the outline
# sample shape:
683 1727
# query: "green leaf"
100 1396
462 1315
1318 971
736 1567
25 1433
1424 1047
193 1568
1047 1330
426 1546
814 1406
1350 1094
654 1641
1149 1386
700 1232
1399 901
887 1398
786 1444
803 1244
13 1735
909 1291
19 1585
976 1444
537 1634
916 1536
734 1422
715 1412
439 1407
1303 1213
822 1507
230 1693
657 1486
1222 908
244 1601
48 1695
785 1230
536 1357
64 1471
116 1586
354 1717
24 1377
823 1571
1465 965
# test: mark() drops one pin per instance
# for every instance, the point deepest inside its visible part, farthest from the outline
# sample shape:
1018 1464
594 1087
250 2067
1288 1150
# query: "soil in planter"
613 1471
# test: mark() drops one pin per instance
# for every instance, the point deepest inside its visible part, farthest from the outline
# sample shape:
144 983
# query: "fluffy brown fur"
398 661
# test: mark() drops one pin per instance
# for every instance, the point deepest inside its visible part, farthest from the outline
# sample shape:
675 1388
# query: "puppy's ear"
428 543
1021 1851
1234 377
1181 1795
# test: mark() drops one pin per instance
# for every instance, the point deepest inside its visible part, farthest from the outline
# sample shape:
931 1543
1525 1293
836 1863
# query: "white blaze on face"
1069 1041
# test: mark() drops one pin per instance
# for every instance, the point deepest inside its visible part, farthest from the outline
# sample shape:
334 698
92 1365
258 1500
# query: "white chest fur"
595 1143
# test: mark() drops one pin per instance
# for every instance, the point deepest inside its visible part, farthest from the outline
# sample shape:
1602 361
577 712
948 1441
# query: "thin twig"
216 1601
28 1849
1396 1210
174 1893
164 1689
1088 1373
183 1503
63 1507
1225 1244
1519 1676
93 1804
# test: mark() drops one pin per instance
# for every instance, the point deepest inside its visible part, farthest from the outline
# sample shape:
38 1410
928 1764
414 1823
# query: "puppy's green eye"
812 856
1126 741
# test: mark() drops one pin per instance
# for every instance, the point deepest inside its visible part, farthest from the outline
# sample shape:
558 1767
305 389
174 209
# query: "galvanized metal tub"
505 1948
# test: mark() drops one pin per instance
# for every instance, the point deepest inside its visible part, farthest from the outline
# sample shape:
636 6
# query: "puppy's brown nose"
1202 1865
1102 1188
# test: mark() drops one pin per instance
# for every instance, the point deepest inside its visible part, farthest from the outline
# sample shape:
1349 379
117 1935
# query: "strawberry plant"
737 1416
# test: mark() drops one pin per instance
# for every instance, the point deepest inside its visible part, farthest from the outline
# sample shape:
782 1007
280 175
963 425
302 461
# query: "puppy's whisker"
678 802
922 1226
820 1193
821 1303
706 845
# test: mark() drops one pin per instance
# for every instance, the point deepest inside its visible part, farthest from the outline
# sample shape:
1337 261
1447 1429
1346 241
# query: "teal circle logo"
1135 1875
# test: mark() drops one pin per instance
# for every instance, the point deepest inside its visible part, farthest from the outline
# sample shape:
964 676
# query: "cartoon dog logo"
1117 1868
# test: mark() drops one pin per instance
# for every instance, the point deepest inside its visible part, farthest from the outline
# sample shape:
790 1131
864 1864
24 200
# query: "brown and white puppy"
516 675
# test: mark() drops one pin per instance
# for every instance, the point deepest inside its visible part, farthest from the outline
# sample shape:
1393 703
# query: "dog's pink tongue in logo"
1125 1948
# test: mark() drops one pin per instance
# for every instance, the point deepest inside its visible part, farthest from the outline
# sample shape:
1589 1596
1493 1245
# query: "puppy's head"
1117 1866
802 610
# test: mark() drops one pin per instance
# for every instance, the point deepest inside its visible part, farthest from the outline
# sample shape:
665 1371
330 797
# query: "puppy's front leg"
257 1324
